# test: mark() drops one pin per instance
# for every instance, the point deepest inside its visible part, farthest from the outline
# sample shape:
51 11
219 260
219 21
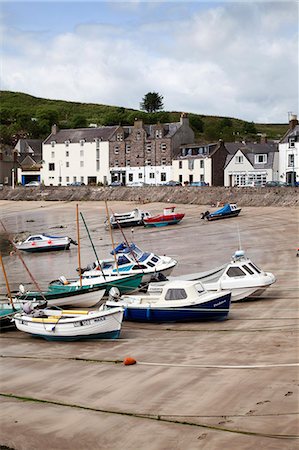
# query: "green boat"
7 311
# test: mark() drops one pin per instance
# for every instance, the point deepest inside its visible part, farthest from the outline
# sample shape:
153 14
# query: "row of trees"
35 121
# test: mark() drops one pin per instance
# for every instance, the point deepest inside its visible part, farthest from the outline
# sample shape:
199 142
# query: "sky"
232 59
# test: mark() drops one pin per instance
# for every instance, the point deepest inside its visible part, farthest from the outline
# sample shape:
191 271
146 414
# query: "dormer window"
138 135
119 136
239 159
292 141
260 159
67 143
82 142
53 143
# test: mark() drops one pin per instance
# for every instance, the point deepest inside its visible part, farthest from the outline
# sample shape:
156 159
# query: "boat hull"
46 248
162 221
223 216
216 309
99 325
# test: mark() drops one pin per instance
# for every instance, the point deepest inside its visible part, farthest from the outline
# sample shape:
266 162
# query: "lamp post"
13 178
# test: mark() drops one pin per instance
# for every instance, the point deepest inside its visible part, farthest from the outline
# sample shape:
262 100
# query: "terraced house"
132 155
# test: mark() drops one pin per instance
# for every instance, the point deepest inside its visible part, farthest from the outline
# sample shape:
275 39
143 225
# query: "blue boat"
174 301
228 210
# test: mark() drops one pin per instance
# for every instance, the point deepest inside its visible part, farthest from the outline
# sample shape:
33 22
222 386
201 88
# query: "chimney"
138 123
264 139
54 129
184 119
15 155
293 121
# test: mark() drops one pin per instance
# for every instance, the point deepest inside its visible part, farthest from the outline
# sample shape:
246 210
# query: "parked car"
275 184
199 183
32 183
135 184
172 183
76 183
116 183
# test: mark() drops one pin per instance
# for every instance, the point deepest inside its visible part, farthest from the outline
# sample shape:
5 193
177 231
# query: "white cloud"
233 60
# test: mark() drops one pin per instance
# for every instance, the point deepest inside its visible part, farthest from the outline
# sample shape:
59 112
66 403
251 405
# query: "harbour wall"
243 196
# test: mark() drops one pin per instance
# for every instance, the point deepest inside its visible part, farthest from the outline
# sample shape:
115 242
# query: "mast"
7 283
79 246
93 247
111 236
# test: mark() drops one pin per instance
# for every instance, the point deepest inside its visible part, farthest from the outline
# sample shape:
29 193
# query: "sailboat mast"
93 247
79 246
6 282
111 236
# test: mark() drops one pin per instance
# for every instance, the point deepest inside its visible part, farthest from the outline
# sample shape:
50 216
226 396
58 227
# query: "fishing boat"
169 217
7 312
125 283
128 219
130 259
241 276
228 210
68 325
173 301
63 295
44 243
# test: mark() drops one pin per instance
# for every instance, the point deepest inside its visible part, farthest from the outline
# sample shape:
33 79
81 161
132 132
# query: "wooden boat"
169 217
228 210
64 295
44 243
174 301
241 276
130 259
129 219
59 325
7 312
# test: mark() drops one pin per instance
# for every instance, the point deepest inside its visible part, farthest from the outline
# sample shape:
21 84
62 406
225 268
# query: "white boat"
241 276
128 219
44 242
59 325
173 301
132 260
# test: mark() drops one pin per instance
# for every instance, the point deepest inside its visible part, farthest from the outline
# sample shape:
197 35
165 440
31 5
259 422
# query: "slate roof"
251 149
290 133
78 134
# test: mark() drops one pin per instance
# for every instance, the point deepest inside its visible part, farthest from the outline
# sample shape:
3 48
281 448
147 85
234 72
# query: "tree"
152 102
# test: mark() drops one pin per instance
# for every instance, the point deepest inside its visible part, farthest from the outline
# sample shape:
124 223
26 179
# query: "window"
248 269
202 177
97 143
60 179
82 179
97 165
116 163
148 162
67 154
53 143
67 164
190 164
51 166
97 153
52 155
138 135
239 159
116 150
130 177
82 142
74 179
67 143
180 178
140 175
175 294
81 163
291 160
158 134
202 164
180 164
81 153
148 148
163 176
163 147
128 148
163 161
292 141
235 272
119 137
260 159
152 175
67 179
254 267
128 162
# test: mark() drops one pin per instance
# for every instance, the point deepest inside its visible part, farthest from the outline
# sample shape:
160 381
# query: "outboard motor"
27 308
205 214
114 294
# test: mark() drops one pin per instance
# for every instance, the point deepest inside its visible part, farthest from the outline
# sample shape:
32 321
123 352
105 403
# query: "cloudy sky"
236 59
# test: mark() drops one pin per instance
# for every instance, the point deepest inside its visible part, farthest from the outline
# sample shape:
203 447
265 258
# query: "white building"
251 164
289 153
76 156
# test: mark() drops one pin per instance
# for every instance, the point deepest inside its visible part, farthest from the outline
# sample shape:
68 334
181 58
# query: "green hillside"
25 116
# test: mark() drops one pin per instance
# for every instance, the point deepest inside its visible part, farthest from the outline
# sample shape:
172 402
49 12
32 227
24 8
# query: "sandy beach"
208 385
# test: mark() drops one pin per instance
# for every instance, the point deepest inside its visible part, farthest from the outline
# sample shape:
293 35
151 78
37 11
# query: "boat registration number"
88 321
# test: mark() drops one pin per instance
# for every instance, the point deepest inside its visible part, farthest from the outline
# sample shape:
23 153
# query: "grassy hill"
25 116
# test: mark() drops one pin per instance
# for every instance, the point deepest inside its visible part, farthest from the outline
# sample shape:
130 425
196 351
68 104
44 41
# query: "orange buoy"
129 361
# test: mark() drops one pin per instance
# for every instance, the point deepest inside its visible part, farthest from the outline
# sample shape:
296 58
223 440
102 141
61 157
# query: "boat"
7 312
68 325
129 219
169 217
173 301
44 243
130 259
241 276
125 283
63 295
228 210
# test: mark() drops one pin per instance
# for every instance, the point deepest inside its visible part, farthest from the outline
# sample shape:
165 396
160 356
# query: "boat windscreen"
175 294
235 272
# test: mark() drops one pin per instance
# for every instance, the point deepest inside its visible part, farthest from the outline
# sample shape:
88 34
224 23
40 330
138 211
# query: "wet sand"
231 384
